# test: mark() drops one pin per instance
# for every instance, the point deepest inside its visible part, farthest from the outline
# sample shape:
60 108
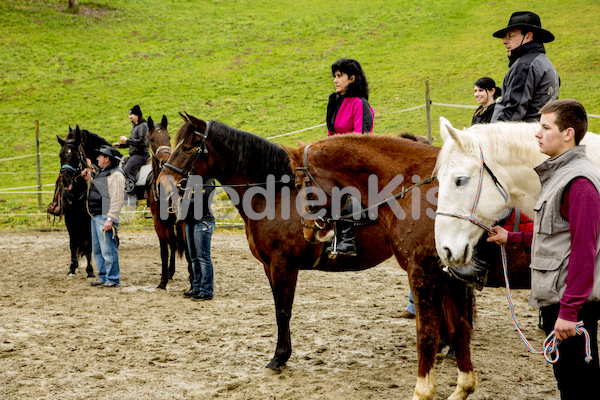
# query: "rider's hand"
123 139
85 174
500 236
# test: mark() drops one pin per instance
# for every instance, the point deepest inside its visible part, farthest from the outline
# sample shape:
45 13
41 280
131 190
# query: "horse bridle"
501 189
349 217
80 166
188 169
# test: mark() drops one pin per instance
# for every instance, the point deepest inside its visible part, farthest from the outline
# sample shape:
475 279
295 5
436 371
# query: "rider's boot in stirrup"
343 243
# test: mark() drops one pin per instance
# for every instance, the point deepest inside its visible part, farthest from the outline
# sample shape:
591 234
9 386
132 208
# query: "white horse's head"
510 152
459 170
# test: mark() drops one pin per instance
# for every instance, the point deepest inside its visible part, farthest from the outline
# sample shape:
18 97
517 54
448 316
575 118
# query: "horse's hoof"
71 274
269 371
162 287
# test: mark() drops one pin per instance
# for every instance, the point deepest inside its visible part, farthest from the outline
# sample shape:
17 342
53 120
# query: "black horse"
79 148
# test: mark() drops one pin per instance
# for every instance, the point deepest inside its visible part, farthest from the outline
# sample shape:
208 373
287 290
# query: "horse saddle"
143 173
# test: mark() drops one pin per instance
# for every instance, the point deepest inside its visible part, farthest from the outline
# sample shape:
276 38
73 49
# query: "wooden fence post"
37 158
428 109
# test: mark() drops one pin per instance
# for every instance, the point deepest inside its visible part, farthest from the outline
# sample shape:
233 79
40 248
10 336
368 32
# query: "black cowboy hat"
110 152
528 21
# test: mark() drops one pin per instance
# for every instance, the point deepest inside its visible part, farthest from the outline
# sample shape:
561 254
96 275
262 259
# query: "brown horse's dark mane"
240 152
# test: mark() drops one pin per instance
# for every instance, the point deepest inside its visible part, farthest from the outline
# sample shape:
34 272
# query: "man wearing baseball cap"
532 80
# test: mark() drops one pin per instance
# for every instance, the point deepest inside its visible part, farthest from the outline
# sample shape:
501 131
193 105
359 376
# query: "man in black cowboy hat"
105 199
532 80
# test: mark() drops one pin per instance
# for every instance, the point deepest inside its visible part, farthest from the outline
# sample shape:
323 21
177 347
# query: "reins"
348 217
551 343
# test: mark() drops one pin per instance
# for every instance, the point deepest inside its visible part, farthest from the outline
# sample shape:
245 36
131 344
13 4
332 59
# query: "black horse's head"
72 157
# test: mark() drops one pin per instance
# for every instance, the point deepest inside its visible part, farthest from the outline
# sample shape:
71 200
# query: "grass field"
261 66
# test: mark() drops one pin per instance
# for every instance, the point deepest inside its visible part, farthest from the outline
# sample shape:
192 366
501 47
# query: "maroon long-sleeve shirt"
581 207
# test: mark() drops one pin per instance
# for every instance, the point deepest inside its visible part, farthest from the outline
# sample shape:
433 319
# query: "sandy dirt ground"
60 338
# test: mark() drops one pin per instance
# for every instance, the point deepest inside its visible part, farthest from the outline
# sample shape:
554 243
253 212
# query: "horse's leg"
89 269
173 253
190 268
74 256
283 278
458 308
164 256
427 291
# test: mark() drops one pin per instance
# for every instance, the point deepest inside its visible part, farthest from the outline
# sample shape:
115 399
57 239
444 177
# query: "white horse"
510 151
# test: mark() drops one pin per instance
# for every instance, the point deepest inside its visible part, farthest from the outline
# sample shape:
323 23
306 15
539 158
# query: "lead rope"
551 343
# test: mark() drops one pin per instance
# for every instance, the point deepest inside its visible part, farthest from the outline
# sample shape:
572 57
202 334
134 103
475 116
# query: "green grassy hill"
261 66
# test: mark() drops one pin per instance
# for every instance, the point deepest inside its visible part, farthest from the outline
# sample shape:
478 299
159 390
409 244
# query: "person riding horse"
348 111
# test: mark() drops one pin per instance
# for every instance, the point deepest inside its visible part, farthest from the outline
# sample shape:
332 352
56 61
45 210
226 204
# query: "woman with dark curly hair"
348 109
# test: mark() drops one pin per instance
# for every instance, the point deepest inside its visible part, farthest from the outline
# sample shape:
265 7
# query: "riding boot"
476 273
343 243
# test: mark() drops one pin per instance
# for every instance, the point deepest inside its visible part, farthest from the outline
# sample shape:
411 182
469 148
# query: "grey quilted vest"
551 245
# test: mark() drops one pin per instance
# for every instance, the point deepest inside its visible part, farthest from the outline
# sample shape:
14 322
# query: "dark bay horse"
370 164
77 150
171 234
240 159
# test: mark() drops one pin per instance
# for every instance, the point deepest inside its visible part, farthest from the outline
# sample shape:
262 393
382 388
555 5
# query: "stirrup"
334 253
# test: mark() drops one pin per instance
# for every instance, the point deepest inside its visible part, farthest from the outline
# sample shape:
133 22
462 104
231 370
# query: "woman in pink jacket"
348 109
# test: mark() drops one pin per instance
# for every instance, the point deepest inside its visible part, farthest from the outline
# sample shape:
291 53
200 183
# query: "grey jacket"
138 142
551 245
529 84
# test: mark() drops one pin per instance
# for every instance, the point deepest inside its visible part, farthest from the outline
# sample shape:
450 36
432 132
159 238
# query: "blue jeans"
199 236
411 304
105 250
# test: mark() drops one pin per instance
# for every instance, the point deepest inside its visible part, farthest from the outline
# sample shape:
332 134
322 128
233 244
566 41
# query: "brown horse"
171 234
244 162
370 163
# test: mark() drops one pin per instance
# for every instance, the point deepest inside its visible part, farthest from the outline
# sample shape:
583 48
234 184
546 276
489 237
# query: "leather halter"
189 166
501 189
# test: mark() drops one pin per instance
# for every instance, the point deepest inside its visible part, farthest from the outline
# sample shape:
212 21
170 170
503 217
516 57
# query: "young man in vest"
565 261
105 200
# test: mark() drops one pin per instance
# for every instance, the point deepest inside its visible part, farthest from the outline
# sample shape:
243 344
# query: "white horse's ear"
448 132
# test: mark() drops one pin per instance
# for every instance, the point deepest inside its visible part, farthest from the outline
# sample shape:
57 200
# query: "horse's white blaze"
465 385
511 151
425 388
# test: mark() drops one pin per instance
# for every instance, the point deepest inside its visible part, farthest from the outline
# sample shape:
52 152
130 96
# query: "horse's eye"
187 149
298 186
462 180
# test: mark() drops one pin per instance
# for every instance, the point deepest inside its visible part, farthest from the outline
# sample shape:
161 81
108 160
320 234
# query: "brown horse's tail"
180 239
